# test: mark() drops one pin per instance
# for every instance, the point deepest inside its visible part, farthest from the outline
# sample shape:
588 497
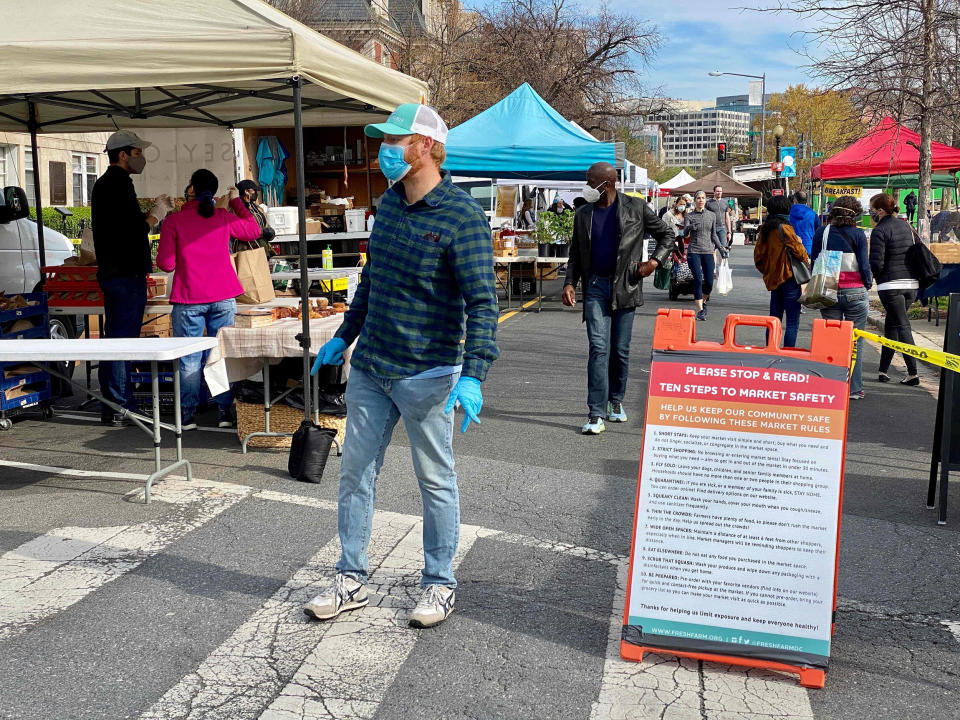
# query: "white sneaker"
345 594
434 606
594 426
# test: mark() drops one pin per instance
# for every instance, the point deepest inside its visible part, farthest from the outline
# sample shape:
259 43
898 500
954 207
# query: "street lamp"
763 102
777 134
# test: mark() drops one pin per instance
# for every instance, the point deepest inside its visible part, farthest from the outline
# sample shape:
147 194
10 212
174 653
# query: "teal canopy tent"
523 137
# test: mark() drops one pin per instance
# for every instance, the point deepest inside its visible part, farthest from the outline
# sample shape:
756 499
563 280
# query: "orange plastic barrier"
734 551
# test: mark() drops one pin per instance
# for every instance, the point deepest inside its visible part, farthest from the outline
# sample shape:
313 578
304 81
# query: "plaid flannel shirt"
428 264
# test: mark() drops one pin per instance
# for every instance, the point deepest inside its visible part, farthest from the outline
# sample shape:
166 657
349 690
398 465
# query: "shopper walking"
775 244
910 203
606 257
719 207
429 274
120 239
804 221
195 243
843 235
889 243
700 226
674 218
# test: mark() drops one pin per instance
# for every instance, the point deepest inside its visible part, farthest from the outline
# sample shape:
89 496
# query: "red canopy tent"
888 149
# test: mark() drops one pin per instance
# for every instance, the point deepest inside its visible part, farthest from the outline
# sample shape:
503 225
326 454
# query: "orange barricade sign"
734 553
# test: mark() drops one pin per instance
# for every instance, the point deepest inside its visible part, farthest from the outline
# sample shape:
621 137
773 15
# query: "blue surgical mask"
392 164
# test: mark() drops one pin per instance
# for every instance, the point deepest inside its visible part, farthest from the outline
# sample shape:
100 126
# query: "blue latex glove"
331 353
467 393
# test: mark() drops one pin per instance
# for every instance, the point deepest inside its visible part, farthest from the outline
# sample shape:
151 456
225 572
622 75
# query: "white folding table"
152 350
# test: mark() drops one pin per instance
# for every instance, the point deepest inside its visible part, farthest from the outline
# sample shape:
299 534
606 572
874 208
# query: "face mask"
392 164
137 164
681 208
592 194
875 216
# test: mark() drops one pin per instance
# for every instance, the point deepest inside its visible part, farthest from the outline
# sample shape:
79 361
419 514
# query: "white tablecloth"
241 352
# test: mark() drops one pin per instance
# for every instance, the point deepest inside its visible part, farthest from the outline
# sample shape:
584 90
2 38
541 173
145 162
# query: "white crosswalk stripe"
279 665
50 573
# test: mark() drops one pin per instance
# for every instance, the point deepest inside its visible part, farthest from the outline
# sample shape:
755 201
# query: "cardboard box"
156 326
314 227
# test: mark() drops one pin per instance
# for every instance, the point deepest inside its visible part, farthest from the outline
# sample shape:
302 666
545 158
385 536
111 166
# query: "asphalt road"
189 607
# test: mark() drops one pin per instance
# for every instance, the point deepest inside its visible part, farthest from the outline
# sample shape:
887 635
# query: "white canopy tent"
681 178
103 64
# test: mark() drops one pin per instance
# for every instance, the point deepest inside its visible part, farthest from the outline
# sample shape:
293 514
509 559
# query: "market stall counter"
152 350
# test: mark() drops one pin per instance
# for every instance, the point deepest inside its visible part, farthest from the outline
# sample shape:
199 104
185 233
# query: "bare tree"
585 65
896 58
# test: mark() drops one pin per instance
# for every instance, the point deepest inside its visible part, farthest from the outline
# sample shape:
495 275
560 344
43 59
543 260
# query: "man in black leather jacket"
606 257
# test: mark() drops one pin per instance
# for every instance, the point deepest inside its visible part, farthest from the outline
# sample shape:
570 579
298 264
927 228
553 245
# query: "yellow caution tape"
934 357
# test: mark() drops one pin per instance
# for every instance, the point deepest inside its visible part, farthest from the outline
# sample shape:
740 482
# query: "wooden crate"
946 253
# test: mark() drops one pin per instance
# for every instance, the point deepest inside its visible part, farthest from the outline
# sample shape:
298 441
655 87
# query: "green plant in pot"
554 232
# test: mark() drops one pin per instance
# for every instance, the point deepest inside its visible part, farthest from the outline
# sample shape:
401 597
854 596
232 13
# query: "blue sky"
704 35
714 35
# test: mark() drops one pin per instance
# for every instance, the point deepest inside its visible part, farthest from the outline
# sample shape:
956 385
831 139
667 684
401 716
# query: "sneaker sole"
423 626
224 424
309 612
592 432
622 419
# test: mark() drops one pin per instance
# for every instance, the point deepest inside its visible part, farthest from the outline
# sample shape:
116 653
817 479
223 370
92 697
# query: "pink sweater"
198 249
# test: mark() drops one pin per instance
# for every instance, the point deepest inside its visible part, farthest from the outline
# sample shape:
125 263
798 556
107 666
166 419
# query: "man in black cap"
249 193
120 230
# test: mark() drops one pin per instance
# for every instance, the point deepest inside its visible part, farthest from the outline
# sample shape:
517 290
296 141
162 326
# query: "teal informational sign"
788 156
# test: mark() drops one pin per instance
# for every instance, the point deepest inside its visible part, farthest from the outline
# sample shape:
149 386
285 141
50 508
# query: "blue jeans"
722 234
703 267
374 405
786 299
609 332
853 305
124 300
191 321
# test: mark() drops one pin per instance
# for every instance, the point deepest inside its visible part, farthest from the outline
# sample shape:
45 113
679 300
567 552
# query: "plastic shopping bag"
822 289
724 278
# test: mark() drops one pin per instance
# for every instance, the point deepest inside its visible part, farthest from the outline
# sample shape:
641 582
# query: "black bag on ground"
309 452
923 264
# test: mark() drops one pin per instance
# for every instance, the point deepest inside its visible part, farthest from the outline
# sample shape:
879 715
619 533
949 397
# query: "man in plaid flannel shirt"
430 265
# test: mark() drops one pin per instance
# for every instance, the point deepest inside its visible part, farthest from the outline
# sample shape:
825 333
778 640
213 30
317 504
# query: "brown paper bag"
253 271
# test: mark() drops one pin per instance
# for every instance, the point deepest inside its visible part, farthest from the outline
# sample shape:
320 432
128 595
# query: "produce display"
15 302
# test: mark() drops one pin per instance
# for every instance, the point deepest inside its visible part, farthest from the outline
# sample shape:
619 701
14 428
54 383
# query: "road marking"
244 675
510 313
352 667
52 572
665 686
953 627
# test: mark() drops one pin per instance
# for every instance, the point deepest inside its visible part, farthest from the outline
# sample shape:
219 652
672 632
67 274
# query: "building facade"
69 164
692 134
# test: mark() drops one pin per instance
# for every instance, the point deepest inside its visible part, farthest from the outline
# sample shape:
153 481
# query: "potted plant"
544 234
554 233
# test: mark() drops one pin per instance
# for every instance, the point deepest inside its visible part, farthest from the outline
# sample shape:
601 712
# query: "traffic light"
721 152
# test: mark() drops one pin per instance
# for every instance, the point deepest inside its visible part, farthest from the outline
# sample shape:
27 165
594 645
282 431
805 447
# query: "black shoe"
226 418
702 314
883 377
114 420
912 382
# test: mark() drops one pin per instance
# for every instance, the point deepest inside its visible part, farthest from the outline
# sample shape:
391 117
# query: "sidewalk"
925 334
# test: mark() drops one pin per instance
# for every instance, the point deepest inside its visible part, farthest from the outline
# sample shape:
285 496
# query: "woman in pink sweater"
195 243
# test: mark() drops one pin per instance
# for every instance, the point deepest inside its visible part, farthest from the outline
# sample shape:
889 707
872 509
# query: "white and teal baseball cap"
411 119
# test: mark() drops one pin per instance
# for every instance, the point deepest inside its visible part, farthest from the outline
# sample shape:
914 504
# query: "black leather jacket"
634 220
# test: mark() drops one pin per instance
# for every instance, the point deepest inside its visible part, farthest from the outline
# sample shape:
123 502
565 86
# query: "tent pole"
302 221
32 124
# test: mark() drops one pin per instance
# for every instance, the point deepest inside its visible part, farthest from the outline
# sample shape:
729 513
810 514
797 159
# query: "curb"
875 319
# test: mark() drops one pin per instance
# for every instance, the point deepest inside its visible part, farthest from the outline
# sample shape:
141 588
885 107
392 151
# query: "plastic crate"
26 312
41 394
76 286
